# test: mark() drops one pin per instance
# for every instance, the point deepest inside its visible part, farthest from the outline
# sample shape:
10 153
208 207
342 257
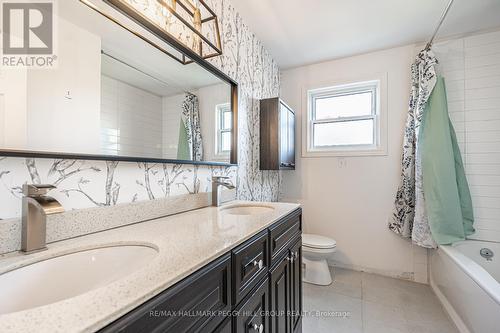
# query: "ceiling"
303 32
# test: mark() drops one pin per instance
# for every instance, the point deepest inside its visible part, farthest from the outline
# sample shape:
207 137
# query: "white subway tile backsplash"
489 114
482 125
491 59
473 89
481 50
481 72
482 104
482 39
485 191
483 213
482 93
484 159
483 82
483 169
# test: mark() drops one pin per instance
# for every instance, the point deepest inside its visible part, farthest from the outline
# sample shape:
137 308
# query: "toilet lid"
318 242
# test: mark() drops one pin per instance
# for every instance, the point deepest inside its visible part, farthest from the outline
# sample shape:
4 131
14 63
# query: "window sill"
345 153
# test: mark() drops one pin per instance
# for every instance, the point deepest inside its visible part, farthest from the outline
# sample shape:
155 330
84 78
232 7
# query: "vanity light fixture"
192 26
195 15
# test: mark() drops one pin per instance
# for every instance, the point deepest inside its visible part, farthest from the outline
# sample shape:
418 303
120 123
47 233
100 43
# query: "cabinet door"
252 313
280 296
225 327
176 309
296 286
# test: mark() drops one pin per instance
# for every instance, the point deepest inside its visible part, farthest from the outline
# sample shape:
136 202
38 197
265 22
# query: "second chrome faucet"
217 182
36 206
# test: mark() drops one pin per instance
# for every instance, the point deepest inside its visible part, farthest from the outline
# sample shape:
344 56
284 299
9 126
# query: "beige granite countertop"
186 242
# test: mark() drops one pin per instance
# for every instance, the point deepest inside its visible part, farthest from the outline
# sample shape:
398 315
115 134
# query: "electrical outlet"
342 163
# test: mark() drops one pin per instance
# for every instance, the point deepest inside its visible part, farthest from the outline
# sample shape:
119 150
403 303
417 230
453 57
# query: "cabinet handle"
290 258
258 328
259 263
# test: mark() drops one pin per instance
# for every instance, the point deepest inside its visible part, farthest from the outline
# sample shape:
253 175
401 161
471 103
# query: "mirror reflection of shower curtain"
190 141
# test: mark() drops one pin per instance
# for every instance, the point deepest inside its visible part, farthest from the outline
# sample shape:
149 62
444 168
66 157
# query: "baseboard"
407 276
450 311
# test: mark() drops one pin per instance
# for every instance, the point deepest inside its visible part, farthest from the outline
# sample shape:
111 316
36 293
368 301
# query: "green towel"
183 146
446 191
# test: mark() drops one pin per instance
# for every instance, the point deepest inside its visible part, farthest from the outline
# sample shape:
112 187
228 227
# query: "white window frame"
377 84
219 110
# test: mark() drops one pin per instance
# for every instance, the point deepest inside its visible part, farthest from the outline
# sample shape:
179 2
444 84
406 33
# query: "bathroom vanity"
214 269
234 293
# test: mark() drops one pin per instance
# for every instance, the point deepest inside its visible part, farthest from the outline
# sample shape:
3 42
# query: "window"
344 120
224 120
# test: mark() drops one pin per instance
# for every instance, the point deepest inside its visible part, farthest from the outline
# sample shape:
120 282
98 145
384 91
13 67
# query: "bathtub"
468 285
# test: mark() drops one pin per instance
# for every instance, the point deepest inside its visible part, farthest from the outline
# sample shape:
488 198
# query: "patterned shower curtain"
409 218
190 119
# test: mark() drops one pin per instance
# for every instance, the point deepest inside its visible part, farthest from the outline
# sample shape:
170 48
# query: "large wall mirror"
117 92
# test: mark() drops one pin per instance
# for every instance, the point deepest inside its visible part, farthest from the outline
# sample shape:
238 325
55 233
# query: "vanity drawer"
206 291
253 312
250 265
281 233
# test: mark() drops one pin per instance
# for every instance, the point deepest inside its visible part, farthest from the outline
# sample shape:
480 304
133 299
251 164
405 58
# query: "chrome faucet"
216 184
36 206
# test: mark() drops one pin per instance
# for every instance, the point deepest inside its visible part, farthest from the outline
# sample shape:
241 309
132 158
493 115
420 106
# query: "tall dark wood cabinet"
277 135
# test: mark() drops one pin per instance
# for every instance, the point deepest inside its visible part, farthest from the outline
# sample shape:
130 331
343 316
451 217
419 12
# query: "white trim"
380 148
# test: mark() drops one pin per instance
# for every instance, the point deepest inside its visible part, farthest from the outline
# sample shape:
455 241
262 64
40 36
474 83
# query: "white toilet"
316 249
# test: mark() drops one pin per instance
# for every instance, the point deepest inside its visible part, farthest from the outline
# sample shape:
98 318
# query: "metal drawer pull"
291 258
258 328
259 263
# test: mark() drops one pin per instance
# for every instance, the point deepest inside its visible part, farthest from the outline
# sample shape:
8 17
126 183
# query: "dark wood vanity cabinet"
256 288
286 291
277 135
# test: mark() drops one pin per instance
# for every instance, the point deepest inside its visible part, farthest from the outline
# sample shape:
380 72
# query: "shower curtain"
190 141
447 196
433 203
409 218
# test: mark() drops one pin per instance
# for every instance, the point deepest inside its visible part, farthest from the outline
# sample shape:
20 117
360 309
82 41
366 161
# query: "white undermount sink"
246 210
59 278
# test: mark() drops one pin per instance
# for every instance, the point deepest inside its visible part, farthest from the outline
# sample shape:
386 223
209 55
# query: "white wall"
471 68
135 115
350 199
13 91
172 109
52 118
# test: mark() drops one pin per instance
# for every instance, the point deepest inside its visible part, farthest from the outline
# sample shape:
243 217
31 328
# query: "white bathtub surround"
185 243
471 68
85 221
468 285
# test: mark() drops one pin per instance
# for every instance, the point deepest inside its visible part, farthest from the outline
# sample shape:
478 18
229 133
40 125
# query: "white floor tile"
374 304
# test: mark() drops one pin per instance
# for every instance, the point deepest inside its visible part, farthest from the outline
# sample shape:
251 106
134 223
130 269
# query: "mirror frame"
117 5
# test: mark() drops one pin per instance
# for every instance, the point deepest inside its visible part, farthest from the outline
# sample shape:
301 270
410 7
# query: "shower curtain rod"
447 9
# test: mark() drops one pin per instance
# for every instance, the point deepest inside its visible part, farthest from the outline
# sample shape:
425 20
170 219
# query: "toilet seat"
318 242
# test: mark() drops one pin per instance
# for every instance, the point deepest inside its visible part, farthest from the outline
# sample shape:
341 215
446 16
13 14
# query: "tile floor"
375 304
